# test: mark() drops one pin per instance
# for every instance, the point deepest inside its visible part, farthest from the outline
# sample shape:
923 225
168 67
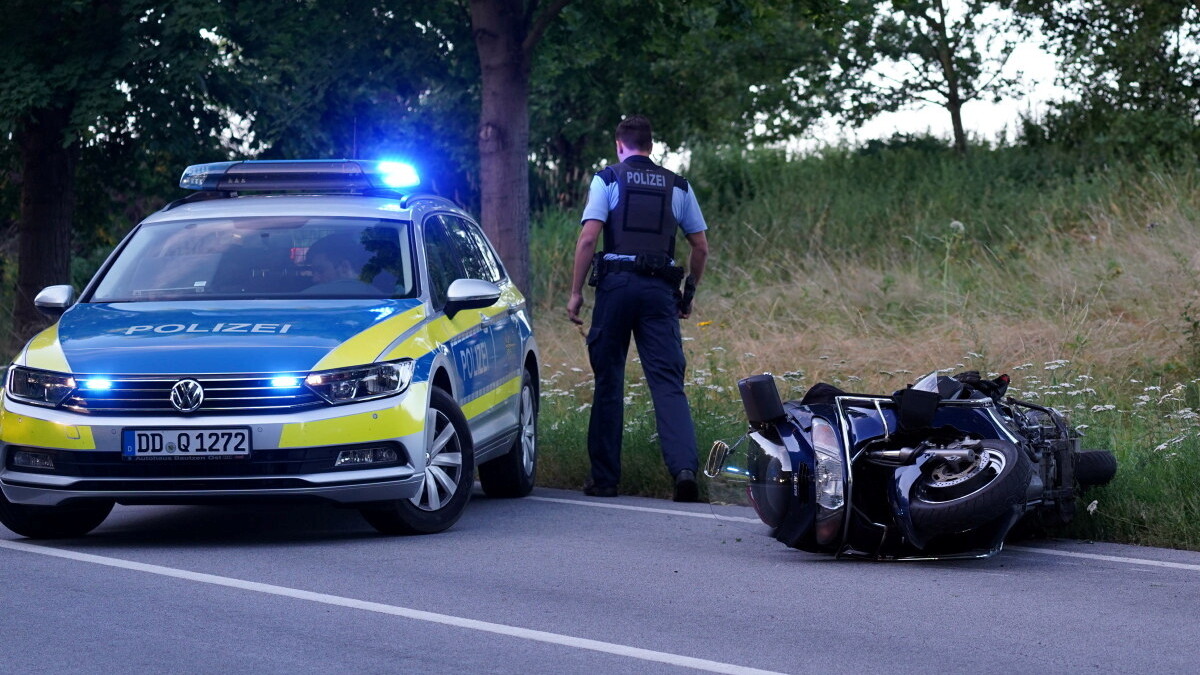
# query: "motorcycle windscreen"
749 486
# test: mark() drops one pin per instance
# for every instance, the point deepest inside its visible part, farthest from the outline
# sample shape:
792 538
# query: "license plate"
218 443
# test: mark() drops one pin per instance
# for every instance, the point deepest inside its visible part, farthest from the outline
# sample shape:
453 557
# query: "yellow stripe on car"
25 430
366 346
394 422
46 353
492 398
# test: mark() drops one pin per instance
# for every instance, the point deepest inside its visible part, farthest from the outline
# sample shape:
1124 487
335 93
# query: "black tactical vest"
643 222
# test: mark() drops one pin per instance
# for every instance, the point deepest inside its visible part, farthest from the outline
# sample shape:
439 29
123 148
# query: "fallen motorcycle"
942 469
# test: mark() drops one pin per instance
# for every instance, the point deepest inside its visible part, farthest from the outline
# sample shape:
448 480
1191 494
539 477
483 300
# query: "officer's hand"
573 306
684 299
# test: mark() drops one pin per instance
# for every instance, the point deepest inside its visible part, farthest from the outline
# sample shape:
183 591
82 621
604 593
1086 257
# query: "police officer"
637 206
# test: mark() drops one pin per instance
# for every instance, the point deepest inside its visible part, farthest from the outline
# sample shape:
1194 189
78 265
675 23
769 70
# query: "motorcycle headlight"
39 387
363 383
829 481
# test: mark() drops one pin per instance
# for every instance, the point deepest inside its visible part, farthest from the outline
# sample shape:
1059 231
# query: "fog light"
33 460
365 456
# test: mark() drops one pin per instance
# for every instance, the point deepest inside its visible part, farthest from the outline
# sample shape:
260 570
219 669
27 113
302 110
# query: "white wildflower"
1103 408
1091 508
957 226
1169 443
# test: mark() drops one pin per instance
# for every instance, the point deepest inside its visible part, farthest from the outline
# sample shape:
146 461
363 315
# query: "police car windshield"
275 257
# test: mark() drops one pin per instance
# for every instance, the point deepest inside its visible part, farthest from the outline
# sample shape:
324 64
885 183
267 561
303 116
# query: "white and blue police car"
293 330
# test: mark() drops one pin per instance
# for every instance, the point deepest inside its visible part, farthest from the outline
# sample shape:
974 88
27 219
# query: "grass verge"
867 271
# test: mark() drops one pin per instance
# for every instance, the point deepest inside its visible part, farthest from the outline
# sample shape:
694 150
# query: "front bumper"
292 456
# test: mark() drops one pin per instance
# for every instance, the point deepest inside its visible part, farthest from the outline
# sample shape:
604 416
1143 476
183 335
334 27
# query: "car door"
450 256
480 262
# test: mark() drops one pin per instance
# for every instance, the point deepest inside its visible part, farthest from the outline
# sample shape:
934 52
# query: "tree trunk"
945 56
500 28
47 207
960 135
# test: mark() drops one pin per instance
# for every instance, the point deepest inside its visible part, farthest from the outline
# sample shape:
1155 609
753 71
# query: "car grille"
222 395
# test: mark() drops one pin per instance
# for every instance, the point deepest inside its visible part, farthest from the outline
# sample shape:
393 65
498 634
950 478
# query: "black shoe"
685 486
592 490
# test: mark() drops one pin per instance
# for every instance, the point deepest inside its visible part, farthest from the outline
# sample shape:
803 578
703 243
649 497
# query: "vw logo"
187 395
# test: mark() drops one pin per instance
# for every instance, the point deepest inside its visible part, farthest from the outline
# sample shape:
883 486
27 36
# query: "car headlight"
362 383
39 387
829 481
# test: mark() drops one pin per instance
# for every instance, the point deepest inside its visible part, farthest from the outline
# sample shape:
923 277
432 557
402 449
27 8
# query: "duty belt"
672 273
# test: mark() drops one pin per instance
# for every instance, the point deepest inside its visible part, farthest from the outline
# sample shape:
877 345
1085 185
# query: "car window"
479 261
442 260
262 257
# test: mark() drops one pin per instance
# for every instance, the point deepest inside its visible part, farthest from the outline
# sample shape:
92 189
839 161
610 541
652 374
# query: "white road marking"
1026 549
1107 558
405 612
644 509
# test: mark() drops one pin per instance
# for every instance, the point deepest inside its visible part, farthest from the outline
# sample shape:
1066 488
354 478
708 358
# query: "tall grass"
867 270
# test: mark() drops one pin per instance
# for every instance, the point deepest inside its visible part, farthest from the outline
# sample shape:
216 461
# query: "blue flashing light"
398 174
285 382
313 175
96 384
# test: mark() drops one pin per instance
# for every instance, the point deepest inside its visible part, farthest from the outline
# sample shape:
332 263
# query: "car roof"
345 205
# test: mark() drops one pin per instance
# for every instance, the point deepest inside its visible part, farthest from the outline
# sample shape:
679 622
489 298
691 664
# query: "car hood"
222 337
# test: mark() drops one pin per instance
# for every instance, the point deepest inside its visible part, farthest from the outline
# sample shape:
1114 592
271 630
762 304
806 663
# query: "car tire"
979 495
1094 468
448 480
53 522
513 473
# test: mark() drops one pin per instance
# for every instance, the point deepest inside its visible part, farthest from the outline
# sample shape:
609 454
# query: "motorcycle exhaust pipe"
761 400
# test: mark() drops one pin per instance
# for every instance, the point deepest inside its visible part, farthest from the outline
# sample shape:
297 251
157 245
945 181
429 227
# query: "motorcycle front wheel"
943 501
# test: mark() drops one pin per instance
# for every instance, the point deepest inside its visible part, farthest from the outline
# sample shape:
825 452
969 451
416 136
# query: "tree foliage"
348 78
711 71
82 74
900 52
1134 65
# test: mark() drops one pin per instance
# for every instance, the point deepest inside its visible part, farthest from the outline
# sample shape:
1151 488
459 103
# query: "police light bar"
303 174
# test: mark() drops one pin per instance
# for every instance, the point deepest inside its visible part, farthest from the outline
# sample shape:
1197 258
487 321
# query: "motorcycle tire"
991 489
1094 468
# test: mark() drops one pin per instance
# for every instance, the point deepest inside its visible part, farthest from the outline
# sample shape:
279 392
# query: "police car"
333 336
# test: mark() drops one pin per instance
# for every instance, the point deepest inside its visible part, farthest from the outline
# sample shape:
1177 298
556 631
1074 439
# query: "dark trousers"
644 307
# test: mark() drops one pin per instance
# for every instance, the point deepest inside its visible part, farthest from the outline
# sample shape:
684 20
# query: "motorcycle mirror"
728 475
716 459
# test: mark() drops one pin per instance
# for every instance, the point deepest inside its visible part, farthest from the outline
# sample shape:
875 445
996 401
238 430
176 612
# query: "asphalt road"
561 583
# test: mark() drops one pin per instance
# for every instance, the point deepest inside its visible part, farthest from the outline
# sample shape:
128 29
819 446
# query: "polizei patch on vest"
168 328
646 178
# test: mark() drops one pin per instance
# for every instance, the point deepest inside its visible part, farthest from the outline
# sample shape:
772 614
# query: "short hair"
634 132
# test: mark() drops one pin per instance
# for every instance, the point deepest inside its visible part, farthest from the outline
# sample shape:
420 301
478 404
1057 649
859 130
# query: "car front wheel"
53 522
449 476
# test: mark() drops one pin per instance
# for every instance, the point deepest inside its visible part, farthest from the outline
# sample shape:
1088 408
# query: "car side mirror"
470 294
54 300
